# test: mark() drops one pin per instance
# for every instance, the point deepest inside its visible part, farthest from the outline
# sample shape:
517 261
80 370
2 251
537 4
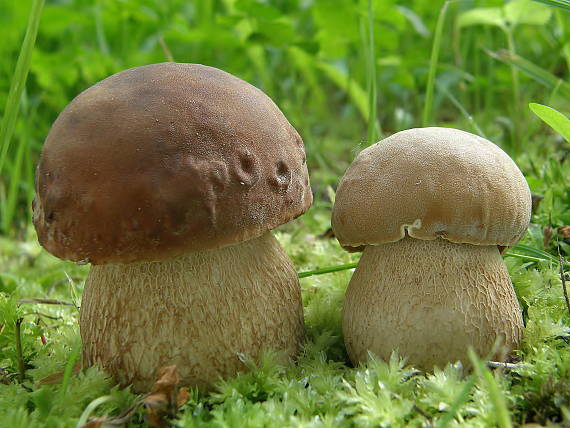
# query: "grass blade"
535 72
19 81
329 269
8 208
459 401
561 4
428 105
521 250
462 109
373 127
497 398
69 371
90 408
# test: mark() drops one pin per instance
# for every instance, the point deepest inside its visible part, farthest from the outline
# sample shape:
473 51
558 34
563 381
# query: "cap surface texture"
164 159
432 183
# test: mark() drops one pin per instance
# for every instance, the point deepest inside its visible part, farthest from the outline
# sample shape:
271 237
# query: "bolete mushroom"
167 178
429 208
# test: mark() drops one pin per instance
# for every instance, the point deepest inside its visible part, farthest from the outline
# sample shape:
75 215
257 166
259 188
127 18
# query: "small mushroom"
167 178
429 208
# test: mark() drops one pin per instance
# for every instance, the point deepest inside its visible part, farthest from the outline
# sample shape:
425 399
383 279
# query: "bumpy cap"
430 183
164 159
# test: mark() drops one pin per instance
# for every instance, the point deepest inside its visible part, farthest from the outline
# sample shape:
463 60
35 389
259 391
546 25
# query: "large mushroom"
167 178
430 208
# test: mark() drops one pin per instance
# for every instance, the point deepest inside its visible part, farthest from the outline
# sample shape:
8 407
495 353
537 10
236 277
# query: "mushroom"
429 208
167 178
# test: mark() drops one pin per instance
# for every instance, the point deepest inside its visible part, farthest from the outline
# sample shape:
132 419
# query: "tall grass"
433 62
374 130
562 4
8 204
343 73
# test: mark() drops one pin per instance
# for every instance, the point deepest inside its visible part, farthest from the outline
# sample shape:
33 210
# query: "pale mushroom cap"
432 183
163 159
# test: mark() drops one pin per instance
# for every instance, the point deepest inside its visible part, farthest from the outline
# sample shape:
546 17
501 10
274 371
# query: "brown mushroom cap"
432 182
164 159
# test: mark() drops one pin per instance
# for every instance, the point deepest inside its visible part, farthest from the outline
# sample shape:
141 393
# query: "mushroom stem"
430 300
199 311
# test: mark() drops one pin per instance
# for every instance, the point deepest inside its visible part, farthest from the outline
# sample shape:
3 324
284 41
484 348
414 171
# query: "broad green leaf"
553 118
482 16
350 86
337 25
257 10
527 12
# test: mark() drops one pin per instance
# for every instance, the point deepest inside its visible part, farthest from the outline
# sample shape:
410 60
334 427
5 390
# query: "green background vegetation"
344 73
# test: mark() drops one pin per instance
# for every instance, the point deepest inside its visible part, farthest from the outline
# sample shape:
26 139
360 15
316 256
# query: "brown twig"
563 279
46 301
165 49
501 365
62 281
39 314
423 413
417 409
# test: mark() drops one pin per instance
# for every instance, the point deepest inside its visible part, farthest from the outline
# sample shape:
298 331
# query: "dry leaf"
183 396
547 235
165 398
564 231
95 423
161 404
535 201
56 377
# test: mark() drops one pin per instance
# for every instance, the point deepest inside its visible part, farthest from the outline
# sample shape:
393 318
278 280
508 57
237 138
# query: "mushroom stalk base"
430 300
203 312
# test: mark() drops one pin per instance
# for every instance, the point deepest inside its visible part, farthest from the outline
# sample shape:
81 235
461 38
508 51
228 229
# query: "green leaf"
415 20
350 86
527 12
43 399
482 16
337 27
553 118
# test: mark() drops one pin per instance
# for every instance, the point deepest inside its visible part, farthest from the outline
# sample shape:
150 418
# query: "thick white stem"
430 300
199 311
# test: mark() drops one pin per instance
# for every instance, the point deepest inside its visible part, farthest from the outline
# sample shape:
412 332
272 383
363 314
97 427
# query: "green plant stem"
19 81
428 105
563 279
19 353
516 93
68 371
373 126
330 269
532 254
9 207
